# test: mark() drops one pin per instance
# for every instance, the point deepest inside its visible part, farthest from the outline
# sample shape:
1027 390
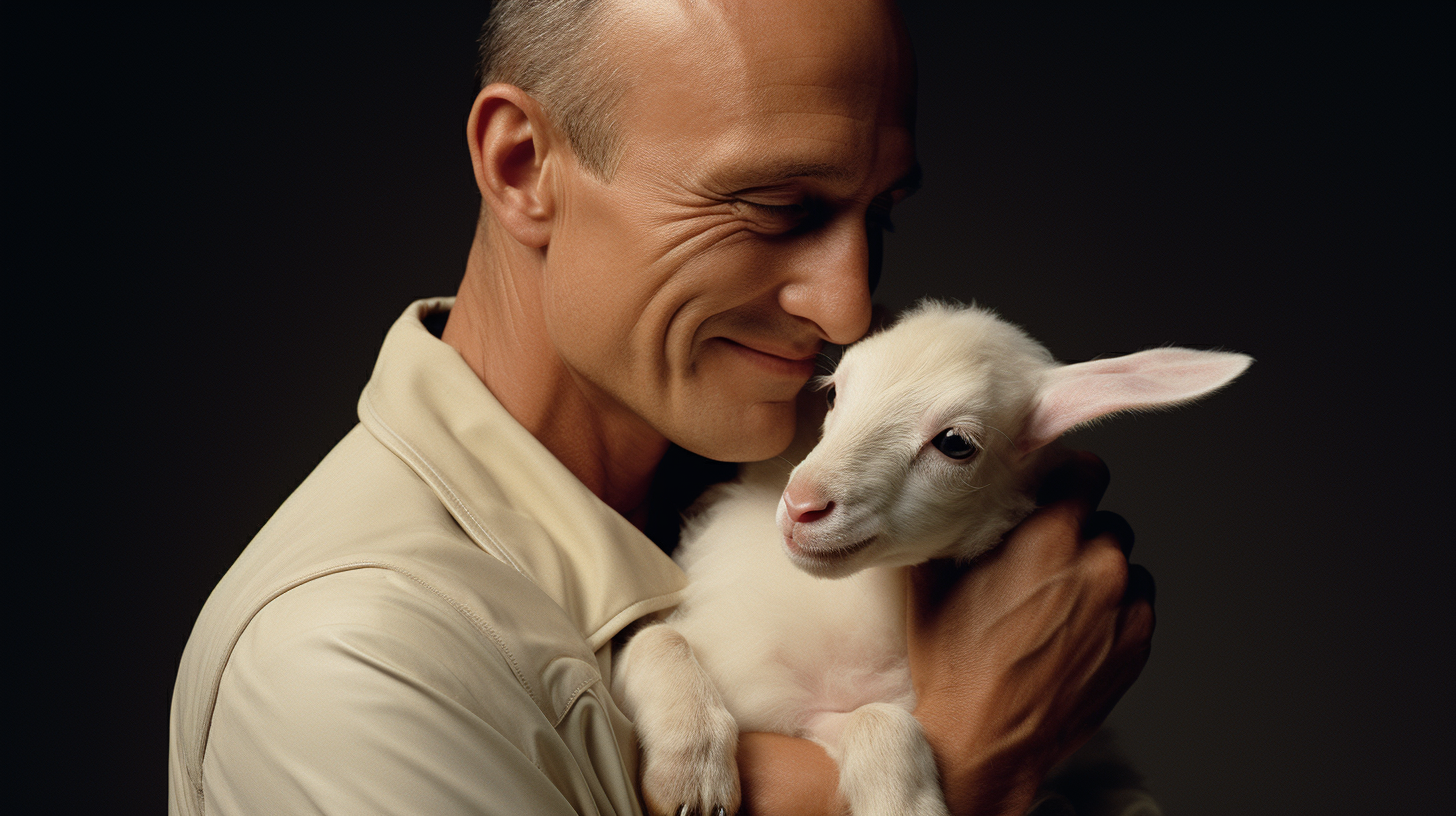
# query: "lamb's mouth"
827 555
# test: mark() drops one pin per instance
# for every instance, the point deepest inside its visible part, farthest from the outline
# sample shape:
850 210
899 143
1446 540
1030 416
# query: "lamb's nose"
805 506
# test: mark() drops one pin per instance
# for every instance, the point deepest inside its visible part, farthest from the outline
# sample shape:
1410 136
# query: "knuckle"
1106 567
1060 522
1110 525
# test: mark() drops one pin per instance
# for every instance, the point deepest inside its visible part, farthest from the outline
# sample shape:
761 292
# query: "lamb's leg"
886 767
689 740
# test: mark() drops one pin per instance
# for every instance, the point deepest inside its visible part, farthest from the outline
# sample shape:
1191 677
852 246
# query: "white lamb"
938 430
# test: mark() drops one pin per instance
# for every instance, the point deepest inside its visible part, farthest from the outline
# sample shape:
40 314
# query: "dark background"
218 213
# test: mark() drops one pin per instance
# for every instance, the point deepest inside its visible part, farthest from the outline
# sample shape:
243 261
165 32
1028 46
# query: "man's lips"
789 360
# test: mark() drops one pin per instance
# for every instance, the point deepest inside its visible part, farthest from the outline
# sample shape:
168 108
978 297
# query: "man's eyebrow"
781 172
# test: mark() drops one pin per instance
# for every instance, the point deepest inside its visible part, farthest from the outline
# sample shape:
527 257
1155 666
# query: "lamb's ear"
1073 394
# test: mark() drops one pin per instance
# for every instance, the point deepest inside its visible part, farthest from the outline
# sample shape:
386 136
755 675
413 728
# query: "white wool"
792 652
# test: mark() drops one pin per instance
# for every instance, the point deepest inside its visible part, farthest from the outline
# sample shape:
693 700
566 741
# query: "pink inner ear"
1074 394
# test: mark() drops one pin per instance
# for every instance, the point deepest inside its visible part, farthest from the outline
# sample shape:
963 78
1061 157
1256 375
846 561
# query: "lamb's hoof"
696 774
711 791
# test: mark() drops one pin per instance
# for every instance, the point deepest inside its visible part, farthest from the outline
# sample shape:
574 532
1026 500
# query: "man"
680 207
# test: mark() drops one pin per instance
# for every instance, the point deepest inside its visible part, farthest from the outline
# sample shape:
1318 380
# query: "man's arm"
1016 662
360 692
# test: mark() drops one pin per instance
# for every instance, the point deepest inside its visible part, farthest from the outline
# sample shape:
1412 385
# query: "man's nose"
831 286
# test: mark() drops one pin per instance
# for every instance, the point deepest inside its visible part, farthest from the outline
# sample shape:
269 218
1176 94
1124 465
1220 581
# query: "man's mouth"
788 360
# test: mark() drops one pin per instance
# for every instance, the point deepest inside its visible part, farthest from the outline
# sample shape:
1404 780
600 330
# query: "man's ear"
510 141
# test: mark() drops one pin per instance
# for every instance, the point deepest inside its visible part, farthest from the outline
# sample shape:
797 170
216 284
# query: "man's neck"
500 333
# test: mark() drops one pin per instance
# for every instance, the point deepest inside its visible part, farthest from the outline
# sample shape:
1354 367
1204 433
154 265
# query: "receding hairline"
559 52
584 88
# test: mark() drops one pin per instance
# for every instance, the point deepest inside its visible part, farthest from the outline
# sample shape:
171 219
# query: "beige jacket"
424 627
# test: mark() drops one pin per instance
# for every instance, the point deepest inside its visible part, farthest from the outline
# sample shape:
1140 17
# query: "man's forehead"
864 39
769 45
807 93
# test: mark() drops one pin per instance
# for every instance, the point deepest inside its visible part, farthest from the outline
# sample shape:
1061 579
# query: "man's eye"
785 216
796 210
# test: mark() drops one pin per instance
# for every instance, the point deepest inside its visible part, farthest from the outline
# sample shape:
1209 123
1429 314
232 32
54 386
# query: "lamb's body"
786 649
942 426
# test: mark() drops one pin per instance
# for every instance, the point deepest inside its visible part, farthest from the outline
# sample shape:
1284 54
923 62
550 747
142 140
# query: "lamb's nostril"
806 509
815 515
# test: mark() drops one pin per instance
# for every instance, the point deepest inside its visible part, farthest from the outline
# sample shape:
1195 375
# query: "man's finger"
1107 523
1137 619
1140 586
1082 478
1067 498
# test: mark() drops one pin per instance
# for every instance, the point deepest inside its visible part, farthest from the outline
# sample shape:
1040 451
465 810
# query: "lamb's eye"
829 397
952 444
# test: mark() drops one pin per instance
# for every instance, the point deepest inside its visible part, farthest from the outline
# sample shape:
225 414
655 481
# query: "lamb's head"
939 426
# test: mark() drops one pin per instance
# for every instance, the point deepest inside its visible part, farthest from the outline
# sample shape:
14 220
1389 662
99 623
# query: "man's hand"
1018 660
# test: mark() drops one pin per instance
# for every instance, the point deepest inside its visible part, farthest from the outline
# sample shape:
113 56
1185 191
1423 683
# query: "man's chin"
760 431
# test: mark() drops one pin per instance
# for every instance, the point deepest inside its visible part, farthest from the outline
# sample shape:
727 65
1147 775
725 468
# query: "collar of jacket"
506 490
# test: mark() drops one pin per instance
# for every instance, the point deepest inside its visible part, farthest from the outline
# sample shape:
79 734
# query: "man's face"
764 146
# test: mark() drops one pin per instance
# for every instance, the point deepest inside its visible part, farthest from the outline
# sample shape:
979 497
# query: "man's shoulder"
364 562
400 623
335 680
364 509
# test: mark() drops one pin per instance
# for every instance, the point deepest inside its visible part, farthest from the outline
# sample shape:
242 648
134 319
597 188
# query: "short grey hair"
556 51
